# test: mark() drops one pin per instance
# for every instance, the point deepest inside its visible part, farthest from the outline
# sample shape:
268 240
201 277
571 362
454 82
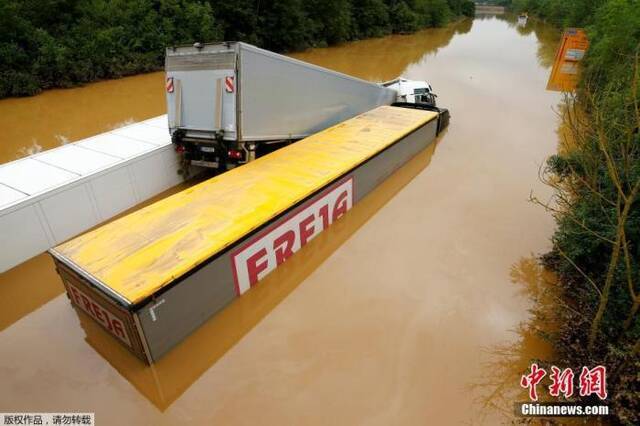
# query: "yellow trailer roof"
140 253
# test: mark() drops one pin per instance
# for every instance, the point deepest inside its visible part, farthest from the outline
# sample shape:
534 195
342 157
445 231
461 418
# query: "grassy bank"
61 43
596 182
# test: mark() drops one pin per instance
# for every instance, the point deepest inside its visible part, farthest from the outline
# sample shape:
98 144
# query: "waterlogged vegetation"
61 43
595 319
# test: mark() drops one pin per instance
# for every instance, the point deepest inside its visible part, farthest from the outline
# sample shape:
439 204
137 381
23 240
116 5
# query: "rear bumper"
209 153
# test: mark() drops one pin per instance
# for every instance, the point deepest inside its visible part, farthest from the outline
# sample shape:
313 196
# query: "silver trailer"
229 102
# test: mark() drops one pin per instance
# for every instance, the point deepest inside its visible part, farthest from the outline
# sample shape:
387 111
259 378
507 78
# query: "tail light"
234 154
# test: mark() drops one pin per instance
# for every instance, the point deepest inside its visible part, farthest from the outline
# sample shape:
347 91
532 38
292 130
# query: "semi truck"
154 276
229 103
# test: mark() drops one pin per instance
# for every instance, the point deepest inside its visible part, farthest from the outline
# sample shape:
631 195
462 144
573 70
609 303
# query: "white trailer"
227 101
54 195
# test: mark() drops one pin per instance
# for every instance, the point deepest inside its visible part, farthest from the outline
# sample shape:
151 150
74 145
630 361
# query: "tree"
331 20
283 25
239 18
371 18
59 43
403 19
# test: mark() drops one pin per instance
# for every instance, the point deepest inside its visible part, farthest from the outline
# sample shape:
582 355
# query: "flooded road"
388 317
59 116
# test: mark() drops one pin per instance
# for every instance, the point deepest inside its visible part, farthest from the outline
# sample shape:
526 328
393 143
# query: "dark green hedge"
59 43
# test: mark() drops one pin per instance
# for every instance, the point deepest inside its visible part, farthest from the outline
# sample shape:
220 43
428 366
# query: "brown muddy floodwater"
388 317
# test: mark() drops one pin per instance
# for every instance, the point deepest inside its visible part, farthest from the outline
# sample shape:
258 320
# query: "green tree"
371 18
331 20
239 18
403 19
284 26
596 182
59 43
17 48
432 13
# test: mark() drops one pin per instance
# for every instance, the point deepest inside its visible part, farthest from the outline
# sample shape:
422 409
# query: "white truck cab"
412 91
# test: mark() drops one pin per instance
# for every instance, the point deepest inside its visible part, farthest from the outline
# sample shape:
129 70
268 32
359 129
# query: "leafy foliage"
59 43
560 12
596 178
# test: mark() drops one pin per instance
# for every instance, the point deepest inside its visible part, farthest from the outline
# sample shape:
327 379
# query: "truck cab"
412 91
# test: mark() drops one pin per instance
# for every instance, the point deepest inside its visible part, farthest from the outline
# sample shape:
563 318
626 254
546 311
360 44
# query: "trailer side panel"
186 305
283 98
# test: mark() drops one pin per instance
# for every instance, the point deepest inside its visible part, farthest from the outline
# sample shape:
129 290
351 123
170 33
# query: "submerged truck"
196 251
154 276
231 102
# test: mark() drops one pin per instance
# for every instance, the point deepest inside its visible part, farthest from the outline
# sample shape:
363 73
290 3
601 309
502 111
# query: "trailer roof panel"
160 122
149 131
117 145
32 176
138 254
75 159
9 195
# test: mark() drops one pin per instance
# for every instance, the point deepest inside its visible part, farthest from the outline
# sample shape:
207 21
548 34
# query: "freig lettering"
273 246
97 312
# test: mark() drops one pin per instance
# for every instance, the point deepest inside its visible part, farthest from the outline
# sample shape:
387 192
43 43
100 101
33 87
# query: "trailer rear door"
201 87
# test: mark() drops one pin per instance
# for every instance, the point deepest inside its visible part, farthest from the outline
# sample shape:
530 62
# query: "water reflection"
26 287
380 59
547 36
165 381
58 116
497 388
